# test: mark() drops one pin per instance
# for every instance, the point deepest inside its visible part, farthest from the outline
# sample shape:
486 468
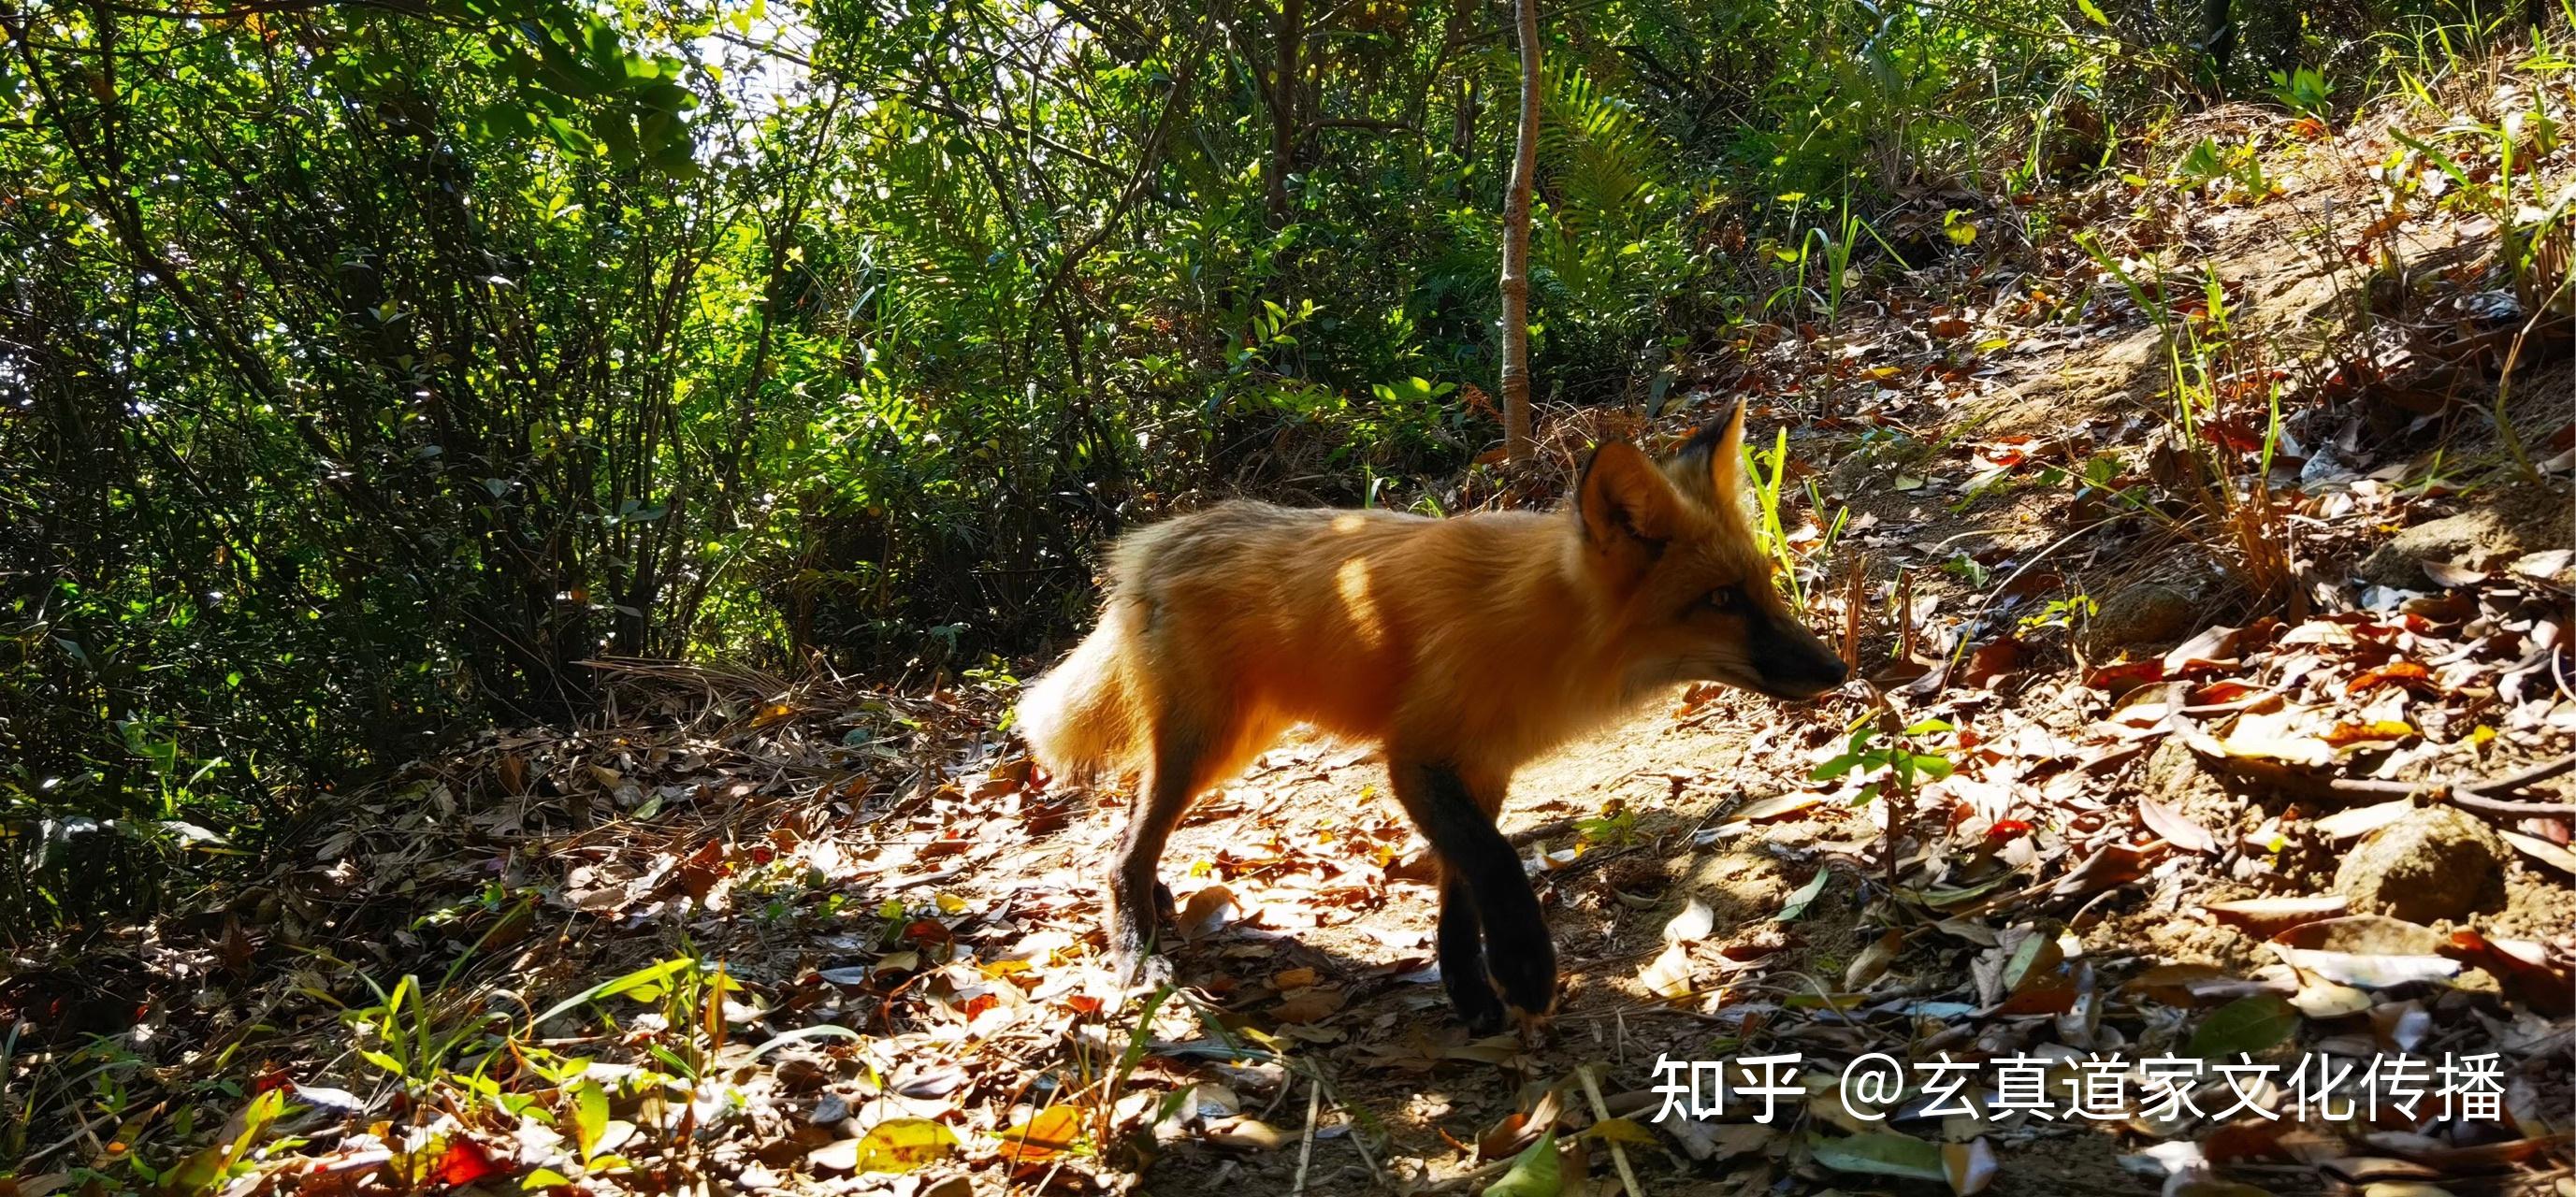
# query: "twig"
1306 1153
2524 778
1601 1114
86 1130
1470 1178
2476 796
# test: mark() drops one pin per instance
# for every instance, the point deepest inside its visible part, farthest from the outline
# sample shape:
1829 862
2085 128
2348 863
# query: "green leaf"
589 1117
1882 1153
817 1031
650 976
2244 1026
2093 12
1535 1172
208 1168
1796 907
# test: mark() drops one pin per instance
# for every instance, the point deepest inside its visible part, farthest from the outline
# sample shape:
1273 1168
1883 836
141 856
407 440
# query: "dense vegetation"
365 369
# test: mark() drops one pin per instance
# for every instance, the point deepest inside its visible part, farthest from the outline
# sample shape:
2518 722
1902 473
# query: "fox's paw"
1526 977
1479 1007
1140 970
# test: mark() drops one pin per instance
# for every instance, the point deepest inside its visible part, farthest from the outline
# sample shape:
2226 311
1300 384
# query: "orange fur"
1471 644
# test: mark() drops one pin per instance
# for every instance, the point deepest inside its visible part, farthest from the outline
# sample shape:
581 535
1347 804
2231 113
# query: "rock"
2505 526
2436 863
2144 613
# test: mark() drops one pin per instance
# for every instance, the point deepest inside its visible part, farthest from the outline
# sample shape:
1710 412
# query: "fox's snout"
1792 663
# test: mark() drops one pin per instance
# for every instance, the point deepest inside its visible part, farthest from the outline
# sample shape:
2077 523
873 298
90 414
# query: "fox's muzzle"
1793 664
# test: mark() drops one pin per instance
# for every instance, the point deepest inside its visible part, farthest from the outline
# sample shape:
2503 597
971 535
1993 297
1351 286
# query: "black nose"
1792 659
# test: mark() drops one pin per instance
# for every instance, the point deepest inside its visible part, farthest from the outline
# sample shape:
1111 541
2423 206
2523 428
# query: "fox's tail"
1081 718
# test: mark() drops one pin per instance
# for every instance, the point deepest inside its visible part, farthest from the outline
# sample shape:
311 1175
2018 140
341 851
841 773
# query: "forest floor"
2228 779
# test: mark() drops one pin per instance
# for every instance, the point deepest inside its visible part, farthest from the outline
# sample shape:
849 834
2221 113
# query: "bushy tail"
1081 718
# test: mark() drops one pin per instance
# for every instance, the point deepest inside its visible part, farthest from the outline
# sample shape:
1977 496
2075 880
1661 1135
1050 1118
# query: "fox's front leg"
1462 959
1518 954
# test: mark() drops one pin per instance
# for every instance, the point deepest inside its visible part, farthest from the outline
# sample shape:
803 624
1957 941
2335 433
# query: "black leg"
1519 955
1462 960
1162 798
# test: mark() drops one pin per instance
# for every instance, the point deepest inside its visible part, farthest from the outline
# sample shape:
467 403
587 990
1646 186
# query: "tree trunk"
1516 235
1284 89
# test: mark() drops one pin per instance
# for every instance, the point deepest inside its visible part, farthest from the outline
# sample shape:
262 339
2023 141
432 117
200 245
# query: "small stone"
833 1108
2436 863
2146 613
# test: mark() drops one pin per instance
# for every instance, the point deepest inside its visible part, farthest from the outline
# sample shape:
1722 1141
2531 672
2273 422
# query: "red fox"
1463 646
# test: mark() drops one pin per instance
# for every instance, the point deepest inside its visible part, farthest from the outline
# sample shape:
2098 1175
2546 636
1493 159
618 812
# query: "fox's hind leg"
1192 751
1163 795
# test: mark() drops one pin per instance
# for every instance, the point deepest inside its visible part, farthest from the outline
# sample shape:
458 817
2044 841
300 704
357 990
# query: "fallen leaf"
2246 1026
1779 806
2520 966
2362 820
1695 921
2125 676
1668 975
2541 850
1534 1173
2377 733
1969 1166
2364 933
2117 864
2320 998
2267 917
1796 907
2395 673
1207 912
2212 645
1882 1153
2177 828
1621 1130
1247 1134
1873 960
2444 573
1307 1005
1718 1141
2369 970
2275 736
904 1145
1991 660
1048 1132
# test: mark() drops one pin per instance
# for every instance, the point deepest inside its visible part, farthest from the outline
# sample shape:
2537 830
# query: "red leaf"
2395 673
464 1162
2126 676
1995 657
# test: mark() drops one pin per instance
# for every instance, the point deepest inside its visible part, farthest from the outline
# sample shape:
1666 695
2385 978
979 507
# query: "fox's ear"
1713 458
1624 497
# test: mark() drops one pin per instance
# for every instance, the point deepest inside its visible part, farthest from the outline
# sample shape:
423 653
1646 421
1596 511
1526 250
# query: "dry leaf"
2177 828
2541 850
2267 917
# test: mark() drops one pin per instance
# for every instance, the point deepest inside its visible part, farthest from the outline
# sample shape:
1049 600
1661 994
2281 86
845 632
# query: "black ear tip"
1705 440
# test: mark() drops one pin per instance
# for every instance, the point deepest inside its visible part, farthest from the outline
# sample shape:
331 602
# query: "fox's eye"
1725 600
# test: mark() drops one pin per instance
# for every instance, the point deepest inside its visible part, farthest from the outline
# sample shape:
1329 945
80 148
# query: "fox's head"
1692 589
